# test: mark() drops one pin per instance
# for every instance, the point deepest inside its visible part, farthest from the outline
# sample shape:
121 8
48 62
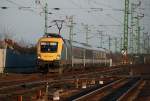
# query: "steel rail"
127 93
97 90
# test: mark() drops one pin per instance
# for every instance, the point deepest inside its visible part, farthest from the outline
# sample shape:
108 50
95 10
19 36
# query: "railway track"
118 90
143 92
11 79
23 84
24 88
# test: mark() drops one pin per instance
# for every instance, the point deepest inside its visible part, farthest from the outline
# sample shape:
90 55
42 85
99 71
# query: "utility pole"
46 17
87 30
45 11
71 28
144 47
125 43
115 44
145 39
138 36
135 28
109 42
87 33
148 45
101 37
71 37
126 20
132 30
121 44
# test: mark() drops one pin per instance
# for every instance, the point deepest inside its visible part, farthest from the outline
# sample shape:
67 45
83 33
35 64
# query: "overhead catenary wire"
14 3
108 15
108 6
20 7
78 6
71 1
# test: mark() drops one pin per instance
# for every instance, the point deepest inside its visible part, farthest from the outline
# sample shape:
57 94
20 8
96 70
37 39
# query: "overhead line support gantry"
126 25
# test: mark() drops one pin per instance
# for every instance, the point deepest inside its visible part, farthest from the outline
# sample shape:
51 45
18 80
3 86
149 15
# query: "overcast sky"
28 24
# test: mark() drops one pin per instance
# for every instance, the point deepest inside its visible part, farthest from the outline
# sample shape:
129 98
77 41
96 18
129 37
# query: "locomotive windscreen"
50 47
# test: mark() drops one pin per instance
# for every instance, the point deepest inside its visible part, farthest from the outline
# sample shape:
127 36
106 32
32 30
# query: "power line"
12 2
20 7
70 8
75 3
93 8
110 25
114 19
108 6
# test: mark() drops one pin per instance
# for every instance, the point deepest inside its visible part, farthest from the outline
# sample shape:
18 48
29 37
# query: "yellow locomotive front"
49 52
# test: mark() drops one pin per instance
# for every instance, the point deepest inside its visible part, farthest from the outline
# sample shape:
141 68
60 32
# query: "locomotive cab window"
50 47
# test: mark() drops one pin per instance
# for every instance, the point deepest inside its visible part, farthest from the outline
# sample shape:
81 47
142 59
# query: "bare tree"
7 33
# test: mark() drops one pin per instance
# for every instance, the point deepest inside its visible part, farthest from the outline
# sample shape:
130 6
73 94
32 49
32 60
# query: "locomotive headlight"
58 56
39 56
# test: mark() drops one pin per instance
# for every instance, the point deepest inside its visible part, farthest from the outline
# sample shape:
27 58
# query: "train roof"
74 43
52 35
84 45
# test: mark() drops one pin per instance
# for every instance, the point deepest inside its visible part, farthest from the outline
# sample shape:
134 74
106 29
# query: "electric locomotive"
49 49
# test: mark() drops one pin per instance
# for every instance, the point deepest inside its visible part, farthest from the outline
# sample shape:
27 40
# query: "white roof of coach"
84 45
